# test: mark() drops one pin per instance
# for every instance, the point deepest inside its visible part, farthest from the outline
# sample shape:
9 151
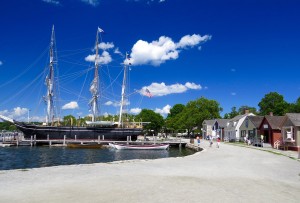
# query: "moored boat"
93 129
141 147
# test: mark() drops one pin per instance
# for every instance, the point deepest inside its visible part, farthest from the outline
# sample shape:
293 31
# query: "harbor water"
25 157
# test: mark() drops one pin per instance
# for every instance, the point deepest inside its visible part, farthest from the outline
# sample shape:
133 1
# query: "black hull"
78 133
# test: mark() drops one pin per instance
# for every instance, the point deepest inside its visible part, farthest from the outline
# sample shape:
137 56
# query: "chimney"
271 114
246 111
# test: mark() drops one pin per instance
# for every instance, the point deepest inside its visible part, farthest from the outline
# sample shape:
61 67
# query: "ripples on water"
36 157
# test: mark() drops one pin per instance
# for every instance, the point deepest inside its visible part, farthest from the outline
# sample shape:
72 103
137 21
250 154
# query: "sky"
231 51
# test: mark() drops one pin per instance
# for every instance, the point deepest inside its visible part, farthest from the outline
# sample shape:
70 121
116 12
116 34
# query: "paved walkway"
226 174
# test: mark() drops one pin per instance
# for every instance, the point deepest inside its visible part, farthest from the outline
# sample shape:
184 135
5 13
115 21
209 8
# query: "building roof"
294 118
209 122
275 121
222 122
256 120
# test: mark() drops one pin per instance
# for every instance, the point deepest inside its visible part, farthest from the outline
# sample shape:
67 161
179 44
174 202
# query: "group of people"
210 141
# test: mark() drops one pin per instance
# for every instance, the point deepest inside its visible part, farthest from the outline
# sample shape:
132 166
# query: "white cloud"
233 93
18 111
160 1
71 105
91 2
115 104
135 110
161 89
158 52
192 40
51 2
104 58
164 111
1 63
193 86
105 46
109 103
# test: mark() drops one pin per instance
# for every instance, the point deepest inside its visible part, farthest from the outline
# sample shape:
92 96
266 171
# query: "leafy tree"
232 114
242 110
155 119
294 107
196 112
273 102
176 109
69 120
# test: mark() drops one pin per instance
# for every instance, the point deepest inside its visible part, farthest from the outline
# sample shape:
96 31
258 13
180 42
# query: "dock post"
127 140
64 140
98 139
130 138
75 137
47 136
34 139
102 137
17 142
50 143
154 139
31 140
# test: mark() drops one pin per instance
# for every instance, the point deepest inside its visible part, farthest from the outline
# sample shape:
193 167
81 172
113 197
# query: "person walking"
218 142
210 141
198 141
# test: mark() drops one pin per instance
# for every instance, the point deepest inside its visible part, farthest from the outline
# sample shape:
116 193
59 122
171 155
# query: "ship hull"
78 133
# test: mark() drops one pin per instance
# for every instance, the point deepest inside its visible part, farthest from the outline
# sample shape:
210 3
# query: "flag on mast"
148 93
100 30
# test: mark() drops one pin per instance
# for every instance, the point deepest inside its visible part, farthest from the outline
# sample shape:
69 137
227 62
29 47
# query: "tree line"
190 116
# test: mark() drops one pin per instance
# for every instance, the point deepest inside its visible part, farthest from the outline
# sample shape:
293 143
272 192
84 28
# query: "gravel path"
226 174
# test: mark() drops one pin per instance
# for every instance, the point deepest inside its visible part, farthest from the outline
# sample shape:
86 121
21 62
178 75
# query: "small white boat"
141 147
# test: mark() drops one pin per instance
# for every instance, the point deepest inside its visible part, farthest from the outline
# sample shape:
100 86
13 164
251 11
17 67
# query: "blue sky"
231 51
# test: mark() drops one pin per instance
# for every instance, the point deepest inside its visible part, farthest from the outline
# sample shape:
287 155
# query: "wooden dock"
65 142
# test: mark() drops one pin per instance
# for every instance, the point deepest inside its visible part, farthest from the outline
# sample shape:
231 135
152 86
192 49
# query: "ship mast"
94 89
50 82
120 123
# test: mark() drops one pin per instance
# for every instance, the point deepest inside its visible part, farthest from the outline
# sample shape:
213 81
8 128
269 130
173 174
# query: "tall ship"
51 129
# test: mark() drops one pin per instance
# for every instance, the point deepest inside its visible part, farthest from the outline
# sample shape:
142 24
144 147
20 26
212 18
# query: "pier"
20 141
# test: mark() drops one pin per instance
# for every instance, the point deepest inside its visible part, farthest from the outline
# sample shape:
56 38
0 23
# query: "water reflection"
35 157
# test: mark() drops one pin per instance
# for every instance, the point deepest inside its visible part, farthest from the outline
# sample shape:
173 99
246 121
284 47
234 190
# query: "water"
36 157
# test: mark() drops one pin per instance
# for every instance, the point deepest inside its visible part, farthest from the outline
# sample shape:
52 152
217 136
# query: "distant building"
290 130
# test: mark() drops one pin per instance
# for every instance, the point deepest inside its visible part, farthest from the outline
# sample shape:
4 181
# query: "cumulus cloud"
164 111
192 40
19 114
51 2
161 89
104 58
91 2
115 104
162 50
135 110
105 46
71 105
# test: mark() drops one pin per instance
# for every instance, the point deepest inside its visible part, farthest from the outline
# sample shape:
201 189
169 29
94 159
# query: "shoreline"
228 174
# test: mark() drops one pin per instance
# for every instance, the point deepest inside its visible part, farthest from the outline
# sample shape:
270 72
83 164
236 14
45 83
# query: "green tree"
242 110
232 114
155 119
273 102
69 120
196 112
294 107
170 122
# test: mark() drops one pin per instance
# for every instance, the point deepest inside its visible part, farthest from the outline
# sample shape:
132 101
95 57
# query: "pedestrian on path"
210 140
218 142
198 141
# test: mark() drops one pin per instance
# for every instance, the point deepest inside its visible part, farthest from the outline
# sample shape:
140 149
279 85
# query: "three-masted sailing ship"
94 129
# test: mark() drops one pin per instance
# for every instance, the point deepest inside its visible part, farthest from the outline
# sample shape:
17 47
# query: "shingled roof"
294 118
256 120
275 121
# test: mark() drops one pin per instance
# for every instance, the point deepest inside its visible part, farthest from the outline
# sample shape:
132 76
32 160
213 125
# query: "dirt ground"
226 174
